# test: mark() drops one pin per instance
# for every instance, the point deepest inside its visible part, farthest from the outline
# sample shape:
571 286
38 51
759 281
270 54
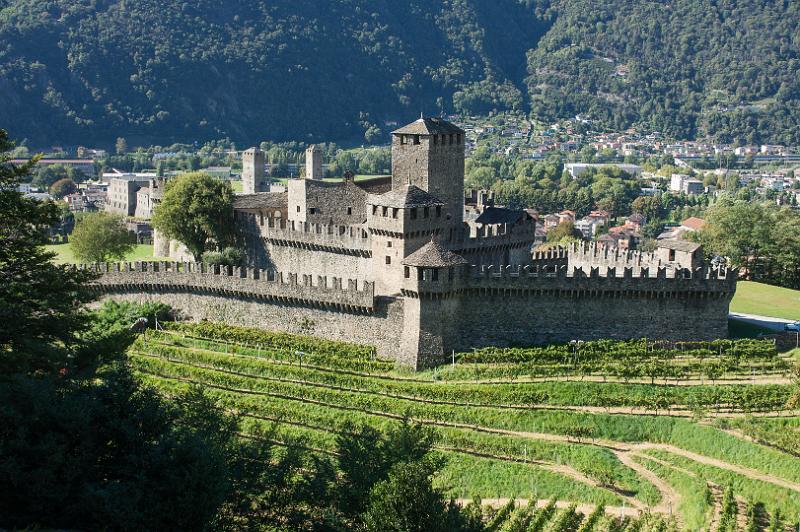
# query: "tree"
197 210
101 237
407 502
564 233
63 187
649 206
39 301
121 146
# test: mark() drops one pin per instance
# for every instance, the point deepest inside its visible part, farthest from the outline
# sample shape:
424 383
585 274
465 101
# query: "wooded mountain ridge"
88 71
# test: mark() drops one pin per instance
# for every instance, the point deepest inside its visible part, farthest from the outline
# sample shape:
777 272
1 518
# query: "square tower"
254 171
429 154
314 163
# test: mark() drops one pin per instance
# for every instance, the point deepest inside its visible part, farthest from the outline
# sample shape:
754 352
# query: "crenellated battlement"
347 239
495 236
233 281
553 254
591 254
656 282
516 270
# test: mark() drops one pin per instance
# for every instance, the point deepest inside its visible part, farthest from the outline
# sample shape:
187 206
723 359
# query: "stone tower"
400 222
314 162
429 153
254 178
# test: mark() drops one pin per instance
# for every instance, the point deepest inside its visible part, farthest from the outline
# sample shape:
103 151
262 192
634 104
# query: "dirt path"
739 470
669 497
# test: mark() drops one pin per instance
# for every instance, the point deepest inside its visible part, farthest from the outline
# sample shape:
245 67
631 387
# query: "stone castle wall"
589 255
530 305
266 285
454 310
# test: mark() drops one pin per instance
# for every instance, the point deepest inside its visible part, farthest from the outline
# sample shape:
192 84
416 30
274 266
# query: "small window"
458 139
435 139
407 272
450 273
312 210
416 139
672 255
413 213
435 274
420 274
394 212
385 212
438 211
426 212
298 208
388 243
349 211
388 259
451 138
374 210
402 139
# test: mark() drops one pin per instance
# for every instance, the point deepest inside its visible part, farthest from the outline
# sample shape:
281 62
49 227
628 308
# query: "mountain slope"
87 71
249 69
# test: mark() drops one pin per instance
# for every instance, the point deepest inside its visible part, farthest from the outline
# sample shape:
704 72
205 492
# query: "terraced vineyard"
567 437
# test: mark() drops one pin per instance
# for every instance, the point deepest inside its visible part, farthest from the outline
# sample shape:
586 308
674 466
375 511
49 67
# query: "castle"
393 262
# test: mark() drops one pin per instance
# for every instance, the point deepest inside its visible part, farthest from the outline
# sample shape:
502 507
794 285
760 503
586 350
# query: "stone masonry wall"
382 328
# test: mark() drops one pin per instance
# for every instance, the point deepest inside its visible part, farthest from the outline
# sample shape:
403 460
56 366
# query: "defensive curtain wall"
441 309
346 250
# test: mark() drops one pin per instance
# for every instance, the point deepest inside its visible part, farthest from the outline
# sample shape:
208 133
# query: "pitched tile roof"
405 197
433 255
693 223
261 200
679 245
500 215
428 126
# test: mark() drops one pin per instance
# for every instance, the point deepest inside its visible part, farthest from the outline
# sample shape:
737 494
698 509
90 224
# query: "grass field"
64 253
766 300
567 439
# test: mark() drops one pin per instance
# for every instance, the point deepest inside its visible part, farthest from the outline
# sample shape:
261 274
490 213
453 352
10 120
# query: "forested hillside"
87 71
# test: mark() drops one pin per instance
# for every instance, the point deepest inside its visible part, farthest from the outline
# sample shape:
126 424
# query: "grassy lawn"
237 186
64 253
766 300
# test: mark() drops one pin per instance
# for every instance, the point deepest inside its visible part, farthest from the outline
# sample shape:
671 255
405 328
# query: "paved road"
776 324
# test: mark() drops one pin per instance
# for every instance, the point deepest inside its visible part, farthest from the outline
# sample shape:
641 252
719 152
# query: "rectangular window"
385 211
388 259
298 208
451 139
458 139
374 210
438 211
402 139
407 272
349 211
426 212
394 212
435 140
435 274
312 210
413 214
420 274
389 244
416 139
450 274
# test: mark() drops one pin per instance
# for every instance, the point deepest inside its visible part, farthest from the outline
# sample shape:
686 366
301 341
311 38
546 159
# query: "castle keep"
392 262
